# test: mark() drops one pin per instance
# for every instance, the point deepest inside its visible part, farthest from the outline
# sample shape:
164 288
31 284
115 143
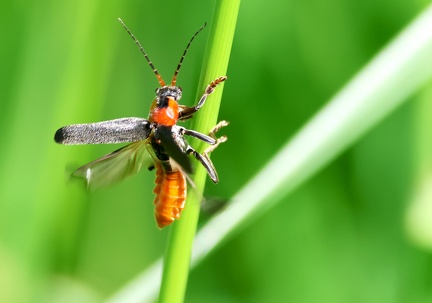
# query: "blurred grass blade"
418 221
388 80
418 217
144 288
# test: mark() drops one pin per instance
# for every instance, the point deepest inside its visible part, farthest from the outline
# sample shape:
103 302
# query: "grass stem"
178 255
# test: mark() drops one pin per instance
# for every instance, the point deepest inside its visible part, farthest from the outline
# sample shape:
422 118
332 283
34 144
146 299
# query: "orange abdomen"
170 198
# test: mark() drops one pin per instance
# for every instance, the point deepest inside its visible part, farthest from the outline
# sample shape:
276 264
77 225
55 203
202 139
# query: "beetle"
156 142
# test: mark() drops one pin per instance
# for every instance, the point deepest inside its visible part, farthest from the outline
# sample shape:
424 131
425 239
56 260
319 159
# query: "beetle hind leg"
206 162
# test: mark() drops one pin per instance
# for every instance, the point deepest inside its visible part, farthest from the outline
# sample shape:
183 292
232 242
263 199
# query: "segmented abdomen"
170 198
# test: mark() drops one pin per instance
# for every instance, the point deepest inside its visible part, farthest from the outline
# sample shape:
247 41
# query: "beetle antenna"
161 81
174 80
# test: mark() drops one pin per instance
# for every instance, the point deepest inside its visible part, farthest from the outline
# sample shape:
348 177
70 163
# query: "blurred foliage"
340 238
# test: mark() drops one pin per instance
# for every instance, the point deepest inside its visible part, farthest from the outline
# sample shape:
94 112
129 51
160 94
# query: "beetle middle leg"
218 141
214 142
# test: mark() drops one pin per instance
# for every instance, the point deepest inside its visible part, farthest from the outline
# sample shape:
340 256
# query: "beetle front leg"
186 112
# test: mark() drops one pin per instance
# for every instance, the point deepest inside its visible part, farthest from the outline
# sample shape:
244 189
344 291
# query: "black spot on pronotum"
163 102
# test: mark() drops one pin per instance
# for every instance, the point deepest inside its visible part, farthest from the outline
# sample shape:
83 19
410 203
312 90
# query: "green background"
341 237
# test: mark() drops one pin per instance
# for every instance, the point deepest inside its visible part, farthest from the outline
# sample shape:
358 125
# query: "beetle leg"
186 112
204 159
218 141
210 89
206 162
210 138
199 136
216 128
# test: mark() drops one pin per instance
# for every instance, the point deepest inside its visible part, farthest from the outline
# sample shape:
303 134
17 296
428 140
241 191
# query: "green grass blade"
38 225
386 82
177 259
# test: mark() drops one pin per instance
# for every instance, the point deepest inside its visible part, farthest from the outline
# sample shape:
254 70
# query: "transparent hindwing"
116 166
